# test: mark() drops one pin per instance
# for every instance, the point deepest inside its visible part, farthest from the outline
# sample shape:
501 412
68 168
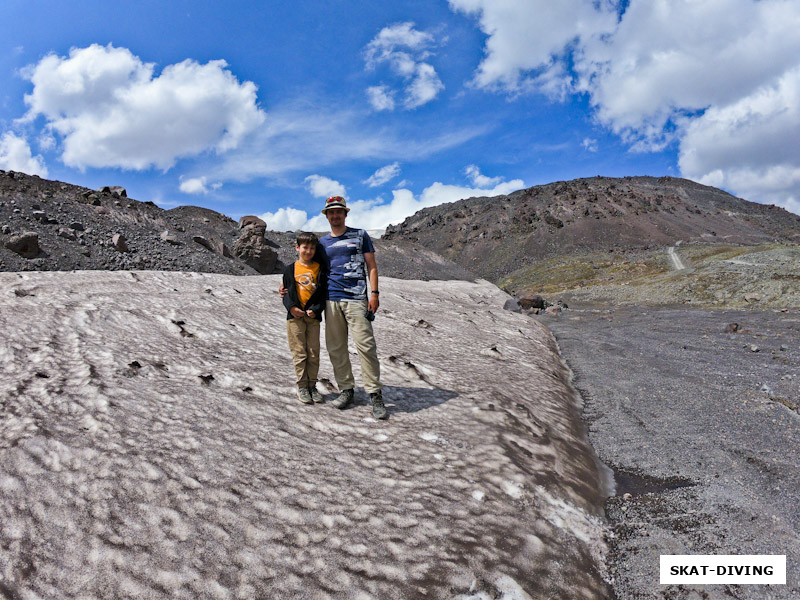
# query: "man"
353 300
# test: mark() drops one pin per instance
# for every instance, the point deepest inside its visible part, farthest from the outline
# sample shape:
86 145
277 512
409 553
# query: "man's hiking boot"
315 395
378 408
344 399
304 396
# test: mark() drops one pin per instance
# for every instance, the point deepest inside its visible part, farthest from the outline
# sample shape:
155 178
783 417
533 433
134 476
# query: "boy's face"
306 251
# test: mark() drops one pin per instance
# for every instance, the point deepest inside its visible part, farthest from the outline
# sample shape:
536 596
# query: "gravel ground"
702 430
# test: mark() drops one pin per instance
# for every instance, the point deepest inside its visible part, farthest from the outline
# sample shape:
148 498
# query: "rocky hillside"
497 236
54 226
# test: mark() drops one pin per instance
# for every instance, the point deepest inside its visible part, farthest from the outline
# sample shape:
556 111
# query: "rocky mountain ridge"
55 226
75 228
493 237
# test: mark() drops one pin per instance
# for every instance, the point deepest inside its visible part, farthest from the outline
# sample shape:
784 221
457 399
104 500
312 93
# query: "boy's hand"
374 303
282 291
296 312
311 314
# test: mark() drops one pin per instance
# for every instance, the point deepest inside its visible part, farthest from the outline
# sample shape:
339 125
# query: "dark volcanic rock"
119 242
199 239
495 236
25 244
74 226
76 229
254 250
252 221
527 301
114 190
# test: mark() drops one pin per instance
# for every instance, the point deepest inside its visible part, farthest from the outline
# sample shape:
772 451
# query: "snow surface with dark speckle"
151 446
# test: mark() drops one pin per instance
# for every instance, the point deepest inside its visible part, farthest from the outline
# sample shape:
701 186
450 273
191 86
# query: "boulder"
527 301
254 250
512 305
170 238
223 250
203 242
25 244
251 221
554 221
119 242
553 310
752 297
67 234
115 190
91 197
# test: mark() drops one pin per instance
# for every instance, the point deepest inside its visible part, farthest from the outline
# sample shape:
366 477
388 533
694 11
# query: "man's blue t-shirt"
348 272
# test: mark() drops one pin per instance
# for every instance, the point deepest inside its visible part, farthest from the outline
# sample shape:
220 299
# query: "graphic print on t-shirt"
348 276
307 279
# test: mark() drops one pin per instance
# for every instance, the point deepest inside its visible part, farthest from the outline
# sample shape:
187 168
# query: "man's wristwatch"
376 292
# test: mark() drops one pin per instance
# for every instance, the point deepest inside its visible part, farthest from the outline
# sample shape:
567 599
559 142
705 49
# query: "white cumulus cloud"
113 111
527 40
750 145
377 213
324 187
198 185
589 144
405 50
383 175
424 86
381 97
15 155
717 77
286 219
473 173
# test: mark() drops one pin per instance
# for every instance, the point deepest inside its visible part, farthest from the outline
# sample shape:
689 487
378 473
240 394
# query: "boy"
307 285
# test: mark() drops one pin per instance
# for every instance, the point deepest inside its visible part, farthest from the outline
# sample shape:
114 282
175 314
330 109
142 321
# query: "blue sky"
268 107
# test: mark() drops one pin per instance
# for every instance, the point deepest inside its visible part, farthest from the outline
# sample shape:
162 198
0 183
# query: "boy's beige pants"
342 318
304 343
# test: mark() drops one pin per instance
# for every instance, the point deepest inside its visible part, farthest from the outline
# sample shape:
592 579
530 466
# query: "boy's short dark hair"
306 237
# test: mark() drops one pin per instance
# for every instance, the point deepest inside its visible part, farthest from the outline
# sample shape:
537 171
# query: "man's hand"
296 312
374 303
282 291
311 314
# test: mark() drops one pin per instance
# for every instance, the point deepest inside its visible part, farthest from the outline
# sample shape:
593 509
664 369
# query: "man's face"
306 252
336 216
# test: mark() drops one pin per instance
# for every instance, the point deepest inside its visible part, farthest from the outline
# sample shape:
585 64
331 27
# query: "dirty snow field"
151 446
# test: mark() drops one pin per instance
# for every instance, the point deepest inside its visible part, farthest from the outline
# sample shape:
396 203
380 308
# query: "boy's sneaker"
378 408
315 395
344 399
304 396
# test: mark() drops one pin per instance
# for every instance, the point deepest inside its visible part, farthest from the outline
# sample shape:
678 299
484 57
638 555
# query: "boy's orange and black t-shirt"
307 280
